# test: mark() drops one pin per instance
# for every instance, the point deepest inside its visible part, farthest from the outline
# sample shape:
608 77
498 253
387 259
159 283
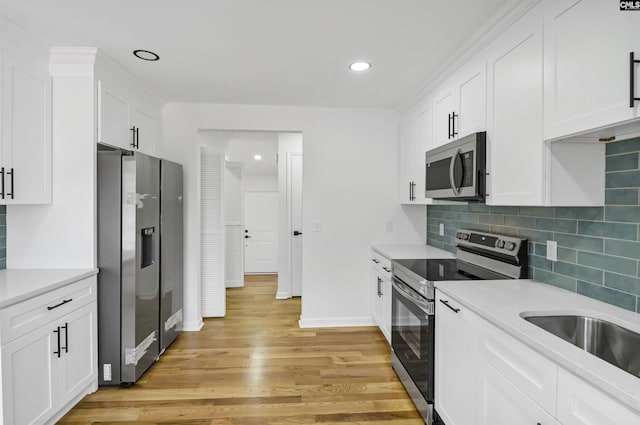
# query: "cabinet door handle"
59 304
12 173
449 126
133 136
379 287
137 137
632 83
454 133
57 331
445 302
66 337
2 177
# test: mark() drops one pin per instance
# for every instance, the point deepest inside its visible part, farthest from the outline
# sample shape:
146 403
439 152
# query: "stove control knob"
465 236
500 244
510 246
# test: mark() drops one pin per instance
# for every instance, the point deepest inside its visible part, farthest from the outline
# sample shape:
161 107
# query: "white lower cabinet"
380 293
579 403
28 378
456 360
502 403
485 376
46 370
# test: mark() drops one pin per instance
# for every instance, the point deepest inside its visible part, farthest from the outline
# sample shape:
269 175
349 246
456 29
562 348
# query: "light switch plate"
552 250
388 226
441 231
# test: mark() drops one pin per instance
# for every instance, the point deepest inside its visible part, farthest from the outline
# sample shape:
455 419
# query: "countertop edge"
74 276
417 251
583 372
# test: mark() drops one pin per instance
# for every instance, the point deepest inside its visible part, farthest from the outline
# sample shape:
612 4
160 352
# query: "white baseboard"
192 326
282 295
234 285
336 322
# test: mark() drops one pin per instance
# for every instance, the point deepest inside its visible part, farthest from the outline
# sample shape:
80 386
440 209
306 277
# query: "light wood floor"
256 367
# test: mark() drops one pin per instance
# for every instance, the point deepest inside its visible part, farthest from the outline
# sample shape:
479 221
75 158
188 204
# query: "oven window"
408 326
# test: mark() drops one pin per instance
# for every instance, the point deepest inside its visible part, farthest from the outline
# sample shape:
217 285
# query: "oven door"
412 335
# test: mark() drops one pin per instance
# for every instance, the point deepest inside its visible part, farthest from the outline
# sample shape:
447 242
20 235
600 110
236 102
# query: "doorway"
270 169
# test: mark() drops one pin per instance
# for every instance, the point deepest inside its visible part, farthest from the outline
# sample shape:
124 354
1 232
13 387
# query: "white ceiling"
279 52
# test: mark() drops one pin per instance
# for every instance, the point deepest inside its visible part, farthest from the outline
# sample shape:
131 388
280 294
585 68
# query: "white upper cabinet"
587 66
125 119
25 140
524 169
514 135
416 137
460 108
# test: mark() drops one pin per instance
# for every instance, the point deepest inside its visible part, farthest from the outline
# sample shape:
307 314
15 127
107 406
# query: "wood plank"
256 367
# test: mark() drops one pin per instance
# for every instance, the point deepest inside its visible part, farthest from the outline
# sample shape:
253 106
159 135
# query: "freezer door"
140 265
170 252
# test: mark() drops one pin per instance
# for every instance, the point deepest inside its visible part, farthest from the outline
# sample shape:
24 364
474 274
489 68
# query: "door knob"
296 233
247 236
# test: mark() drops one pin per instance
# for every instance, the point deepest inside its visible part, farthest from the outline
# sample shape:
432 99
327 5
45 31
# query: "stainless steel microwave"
456 171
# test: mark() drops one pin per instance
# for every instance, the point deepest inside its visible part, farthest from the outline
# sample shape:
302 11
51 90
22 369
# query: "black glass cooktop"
448 269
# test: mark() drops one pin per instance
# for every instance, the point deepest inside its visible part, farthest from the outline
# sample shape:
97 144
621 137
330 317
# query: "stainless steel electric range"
479 256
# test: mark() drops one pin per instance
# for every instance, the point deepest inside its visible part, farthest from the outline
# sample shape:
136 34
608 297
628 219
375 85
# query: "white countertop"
502 301
17 285
397 252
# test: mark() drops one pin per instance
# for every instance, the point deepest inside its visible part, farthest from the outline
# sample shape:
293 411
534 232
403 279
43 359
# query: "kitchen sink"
608 341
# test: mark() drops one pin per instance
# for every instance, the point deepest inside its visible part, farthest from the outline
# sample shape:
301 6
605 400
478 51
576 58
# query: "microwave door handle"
455 171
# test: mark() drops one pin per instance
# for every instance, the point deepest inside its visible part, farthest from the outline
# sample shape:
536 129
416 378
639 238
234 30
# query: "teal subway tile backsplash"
598 248
3 237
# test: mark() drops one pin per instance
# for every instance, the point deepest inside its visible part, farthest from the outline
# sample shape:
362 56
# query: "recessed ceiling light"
257 157
226 157
360 66
146 55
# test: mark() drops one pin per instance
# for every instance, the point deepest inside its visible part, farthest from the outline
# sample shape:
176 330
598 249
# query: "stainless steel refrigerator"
135 314
171 266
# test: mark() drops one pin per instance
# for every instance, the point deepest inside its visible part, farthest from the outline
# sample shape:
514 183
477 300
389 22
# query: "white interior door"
261 232
295 191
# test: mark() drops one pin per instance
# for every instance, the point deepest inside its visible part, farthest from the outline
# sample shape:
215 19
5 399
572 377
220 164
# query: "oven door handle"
426 306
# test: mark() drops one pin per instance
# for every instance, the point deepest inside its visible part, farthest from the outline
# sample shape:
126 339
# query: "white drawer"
24 317
532 373
382 263
579 403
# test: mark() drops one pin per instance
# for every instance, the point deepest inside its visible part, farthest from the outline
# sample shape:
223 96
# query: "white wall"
350 186
260 183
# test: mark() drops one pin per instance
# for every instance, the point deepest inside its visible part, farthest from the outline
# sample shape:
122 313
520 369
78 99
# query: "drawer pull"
445 302
58 305
375 261
386 269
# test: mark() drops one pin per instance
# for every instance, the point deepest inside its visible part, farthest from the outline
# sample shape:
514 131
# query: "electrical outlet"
552 250
441 231
106 371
